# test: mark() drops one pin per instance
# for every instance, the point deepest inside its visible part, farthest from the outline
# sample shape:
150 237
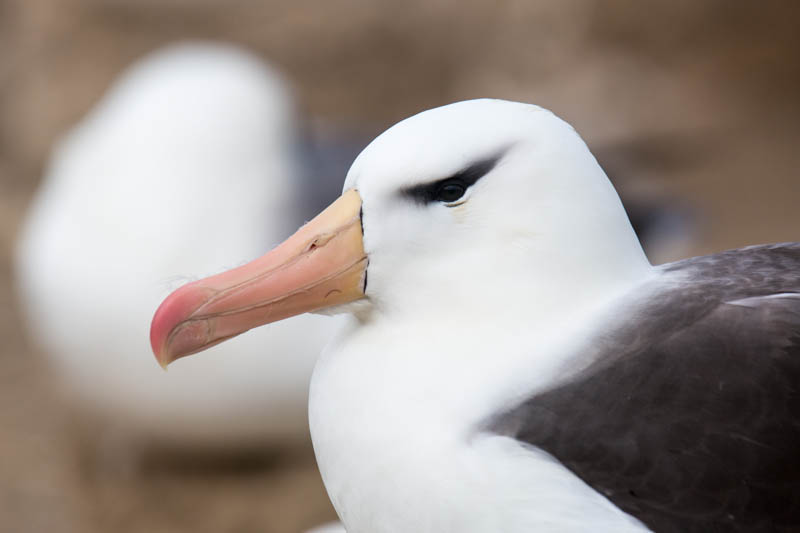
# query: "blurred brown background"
697 100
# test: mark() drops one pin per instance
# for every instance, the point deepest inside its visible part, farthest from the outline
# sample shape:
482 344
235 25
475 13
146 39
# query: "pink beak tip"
174 310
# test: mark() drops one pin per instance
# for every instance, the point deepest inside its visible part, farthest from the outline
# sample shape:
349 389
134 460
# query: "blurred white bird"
188 162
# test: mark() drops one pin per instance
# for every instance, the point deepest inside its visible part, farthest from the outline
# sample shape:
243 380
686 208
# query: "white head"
471 206
541 209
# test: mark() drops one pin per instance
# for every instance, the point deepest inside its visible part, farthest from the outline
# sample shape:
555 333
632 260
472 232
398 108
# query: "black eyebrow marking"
426 193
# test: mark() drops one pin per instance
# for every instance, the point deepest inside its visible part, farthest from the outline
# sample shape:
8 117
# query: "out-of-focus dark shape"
328 150
665 224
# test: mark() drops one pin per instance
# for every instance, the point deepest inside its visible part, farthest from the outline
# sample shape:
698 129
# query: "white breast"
400 449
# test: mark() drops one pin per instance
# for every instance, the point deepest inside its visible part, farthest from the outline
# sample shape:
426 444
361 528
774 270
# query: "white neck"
397 431
471 308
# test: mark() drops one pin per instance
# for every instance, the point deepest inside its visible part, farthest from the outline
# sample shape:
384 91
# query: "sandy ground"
699 102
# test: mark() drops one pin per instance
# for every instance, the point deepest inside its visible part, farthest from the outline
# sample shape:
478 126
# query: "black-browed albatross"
514 363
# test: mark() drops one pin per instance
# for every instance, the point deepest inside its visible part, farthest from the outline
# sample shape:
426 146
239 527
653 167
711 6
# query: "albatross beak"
321 265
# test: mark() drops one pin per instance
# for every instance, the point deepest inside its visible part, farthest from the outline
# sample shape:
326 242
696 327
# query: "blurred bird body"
188 163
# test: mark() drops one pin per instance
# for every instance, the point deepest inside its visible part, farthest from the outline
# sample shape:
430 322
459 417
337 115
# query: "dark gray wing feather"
690 420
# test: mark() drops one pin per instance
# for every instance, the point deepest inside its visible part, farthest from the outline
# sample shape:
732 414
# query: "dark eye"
450 191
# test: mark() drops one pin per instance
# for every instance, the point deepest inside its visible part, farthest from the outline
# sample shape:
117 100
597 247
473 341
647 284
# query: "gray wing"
690 420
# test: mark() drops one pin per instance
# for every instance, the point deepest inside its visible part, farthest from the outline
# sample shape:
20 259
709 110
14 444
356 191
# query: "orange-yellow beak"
321 265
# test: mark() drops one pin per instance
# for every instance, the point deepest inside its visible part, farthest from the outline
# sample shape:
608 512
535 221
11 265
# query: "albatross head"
475 204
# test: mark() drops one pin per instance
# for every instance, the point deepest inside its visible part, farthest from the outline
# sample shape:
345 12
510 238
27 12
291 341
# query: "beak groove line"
315 243
322 265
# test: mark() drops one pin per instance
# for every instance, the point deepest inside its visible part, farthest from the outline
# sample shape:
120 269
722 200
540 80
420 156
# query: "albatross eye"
450 191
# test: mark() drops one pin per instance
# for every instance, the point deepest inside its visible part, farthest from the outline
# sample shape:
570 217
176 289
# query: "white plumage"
469 307
185 166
